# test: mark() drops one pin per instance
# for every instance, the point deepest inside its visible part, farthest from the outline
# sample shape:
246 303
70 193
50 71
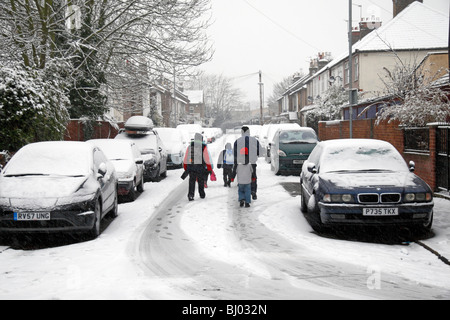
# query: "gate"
443 157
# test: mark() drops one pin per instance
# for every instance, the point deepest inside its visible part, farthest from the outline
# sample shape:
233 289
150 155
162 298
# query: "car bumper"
125 187
291 164
71 220
352 214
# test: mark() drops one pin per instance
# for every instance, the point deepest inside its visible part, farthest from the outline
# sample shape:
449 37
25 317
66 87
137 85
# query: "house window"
356 68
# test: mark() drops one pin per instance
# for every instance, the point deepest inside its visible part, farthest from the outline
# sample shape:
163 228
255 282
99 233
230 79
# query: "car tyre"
303 206
140 187
313 214
132 193
95 231
114 213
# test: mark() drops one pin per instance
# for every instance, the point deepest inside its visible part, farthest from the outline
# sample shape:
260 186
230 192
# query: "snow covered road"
163 247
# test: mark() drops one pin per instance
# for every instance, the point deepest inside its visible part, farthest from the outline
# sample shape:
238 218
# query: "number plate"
375 212
299 161
31 216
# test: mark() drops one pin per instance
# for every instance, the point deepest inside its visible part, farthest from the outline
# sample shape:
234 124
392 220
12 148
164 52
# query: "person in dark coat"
197 165
226 161
247 151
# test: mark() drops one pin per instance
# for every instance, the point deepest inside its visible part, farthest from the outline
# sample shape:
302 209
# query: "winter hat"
245 131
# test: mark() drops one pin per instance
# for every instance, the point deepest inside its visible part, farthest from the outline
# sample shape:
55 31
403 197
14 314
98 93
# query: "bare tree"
221 97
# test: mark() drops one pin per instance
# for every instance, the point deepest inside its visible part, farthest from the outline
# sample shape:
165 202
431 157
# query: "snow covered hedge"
33 107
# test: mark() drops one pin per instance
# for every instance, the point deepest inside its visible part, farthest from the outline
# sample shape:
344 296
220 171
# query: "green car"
291 148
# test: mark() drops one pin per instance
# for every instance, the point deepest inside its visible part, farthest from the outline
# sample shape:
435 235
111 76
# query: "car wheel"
140 187
158 174
313 214
164 174
132 193
95 231
115 210
303 206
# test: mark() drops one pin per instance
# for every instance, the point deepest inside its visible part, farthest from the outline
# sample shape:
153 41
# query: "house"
413 34
195 110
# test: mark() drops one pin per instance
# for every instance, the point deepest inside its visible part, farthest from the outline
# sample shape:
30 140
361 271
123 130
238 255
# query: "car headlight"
281 153
338 198
418 197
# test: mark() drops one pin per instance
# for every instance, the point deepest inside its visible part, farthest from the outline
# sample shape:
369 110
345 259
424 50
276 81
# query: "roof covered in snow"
416 27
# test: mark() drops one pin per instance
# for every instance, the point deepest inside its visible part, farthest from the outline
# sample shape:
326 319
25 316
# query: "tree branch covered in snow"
418 100
99 37
328 107
33 107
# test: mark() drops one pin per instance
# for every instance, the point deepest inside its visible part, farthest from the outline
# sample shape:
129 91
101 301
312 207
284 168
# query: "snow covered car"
153 152
57 187
363 182
174 142
291 148
128 162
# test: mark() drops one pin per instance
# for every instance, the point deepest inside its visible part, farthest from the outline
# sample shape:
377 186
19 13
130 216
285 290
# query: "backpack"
228 157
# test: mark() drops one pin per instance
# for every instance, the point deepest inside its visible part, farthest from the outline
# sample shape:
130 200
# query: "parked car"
271 134
291 148
153 152
128 162
363 182
174 142
57 187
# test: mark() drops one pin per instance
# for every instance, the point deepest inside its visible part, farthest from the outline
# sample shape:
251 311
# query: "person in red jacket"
197 165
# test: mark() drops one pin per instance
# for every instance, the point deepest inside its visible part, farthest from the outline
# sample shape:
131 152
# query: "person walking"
197 164
226 161
247 151
244 172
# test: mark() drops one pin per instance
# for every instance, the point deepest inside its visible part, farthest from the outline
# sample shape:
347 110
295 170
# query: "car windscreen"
297 137
362 158
45 160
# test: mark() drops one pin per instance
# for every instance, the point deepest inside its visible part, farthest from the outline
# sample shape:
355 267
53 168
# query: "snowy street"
161 246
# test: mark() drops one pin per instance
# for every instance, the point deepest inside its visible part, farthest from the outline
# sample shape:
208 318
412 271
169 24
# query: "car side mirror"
311 168
412 166
102 169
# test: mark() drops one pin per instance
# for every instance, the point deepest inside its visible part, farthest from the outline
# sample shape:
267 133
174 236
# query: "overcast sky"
279 37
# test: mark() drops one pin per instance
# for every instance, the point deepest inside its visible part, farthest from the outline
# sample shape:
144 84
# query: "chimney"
400 5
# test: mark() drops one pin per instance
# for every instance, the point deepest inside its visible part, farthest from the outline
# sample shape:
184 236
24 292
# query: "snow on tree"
328 107
418 99
32 108
96 38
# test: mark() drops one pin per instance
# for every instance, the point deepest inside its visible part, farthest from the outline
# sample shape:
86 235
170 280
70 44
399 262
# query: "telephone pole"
261 98
350 66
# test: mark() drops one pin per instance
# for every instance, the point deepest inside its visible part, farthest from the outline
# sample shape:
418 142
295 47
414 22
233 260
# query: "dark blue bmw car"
363 182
